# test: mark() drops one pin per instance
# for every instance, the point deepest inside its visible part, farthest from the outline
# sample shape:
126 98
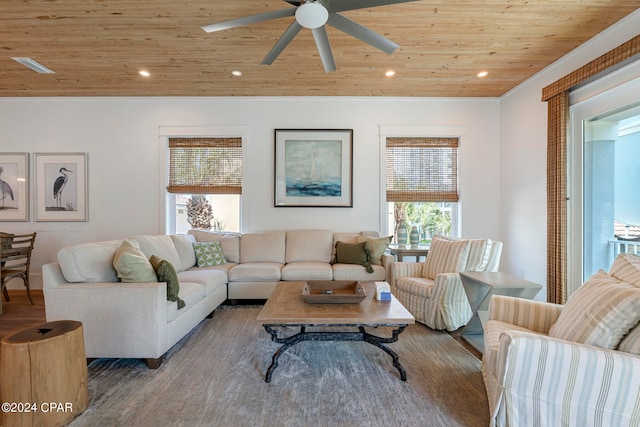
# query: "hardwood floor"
19 314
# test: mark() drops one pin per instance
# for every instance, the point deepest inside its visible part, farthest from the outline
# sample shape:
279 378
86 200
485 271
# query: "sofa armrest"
119 319
537 316
558 382
404 269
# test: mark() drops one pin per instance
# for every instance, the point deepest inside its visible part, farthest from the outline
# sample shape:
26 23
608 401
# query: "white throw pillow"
600 313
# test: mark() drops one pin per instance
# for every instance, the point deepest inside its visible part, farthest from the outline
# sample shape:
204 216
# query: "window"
422 184
204 183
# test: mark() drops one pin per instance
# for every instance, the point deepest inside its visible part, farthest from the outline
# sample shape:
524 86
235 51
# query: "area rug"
215 377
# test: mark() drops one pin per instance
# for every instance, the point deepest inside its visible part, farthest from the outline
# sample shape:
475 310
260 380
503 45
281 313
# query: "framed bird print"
14 187
61 186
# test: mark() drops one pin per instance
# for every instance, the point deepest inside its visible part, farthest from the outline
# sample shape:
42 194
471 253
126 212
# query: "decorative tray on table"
333 292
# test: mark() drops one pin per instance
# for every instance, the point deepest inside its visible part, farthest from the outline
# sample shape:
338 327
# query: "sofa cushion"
354 253
263 247
255 271
230 242
167 273
191 294
600 313
89 262
159 245
209 254
626 267
377 247
132 265
446 256
357 272
307 270
309 245
210 278
184 247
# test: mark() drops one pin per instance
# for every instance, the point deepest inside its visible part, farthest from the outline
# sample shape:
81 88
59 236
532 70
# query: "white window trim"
166 132
386 131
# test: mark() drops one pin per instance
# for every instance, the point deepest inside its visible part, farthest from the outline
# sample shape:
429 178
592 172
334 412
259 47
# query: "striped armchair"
533 379
432 290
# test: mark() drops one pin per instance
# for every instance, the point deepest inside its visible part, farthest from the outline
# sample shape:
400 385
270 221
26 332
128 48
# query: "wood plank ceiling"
97 48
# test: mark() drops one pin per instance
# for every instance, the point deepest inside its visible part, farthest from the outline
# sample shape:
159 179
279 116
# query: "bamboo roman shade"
422 169
205 165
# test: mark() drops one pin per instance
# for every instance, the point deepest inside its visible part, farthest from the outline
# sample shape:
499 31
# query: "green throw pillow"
132 265
354 253
377 247
209 254
167 273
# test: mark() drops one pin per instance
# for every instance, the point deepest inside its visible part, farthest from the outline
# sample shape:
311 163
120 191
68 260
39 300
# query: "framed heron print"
14 187
313 168
61 186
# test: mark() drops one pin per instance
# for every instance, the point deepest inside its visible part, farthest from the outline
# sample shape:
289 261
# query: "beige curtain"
557 97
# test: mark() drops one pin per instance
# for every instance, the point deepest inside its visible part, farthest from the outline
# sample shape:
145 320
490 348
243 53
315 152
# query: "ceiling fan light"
312 15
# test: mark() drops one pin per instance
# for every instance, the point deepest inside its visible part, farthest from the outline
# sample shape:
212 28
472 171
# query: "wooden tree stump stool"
43 375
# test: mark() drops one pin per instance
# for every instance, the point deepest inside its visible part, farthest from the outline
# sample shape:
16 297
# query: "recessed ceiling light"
144 73
390 73
483 74
236 73
35 66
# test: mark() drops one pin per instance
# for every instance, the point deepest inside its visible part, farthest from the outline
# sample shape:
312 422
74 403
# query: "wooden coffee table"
286 307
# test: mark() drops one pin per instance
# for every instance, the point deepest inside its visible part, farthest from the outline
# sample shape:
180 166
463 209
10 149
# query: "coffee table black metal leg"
378 342
286 344
361 335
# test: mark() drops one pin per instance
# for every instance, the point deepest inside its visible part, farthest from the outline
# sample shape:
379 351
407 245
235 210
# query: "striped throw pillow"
631 342
626 267
445 256
600 313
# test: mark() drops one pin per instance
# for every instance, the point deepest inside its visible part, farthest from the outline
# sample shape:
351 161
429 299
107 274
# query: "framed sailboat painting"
313 168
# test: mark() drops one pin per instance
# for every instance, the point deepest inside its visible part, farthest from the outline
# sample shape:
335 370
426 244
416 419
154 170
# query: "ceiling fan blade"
248 20
324 48
294 2
362 33
286 38
342 5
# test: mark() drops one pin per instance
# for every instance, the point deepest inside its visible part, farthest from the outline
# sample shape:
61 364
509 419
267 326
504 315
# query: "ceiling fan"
315 14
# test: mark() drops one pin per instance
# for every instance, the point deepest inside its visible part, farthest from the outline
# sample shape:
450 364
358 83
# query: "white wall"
126 158
523 144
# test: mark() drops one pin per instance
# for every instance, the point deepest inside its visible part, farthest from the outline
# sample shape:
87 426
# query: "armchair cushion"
626 267
600 313
446 256
631 342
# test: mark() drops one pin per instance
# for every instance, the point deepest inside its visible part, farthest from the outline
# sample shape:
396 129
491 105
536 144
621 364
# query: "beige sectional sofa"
136 319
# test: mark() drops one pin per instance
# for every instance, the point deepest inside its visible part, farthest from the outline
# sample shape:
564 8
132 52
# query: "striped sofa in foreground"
573 365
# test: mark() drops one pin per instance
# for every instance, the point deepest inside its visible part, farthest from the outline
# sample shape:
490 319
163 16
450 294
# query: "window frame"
390 131
165 133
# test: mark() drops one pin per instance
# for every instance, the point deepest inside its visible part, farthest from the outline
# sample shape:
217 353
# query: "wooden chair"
15 258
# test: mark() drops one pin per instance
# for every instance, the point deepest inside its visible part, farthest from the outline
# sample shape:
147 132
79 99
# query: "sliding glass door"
604 176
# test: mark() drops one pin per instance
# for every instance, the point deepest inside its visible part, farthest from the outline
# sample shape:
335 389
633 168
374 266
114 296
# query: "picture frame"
313 168
14 187
61 186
